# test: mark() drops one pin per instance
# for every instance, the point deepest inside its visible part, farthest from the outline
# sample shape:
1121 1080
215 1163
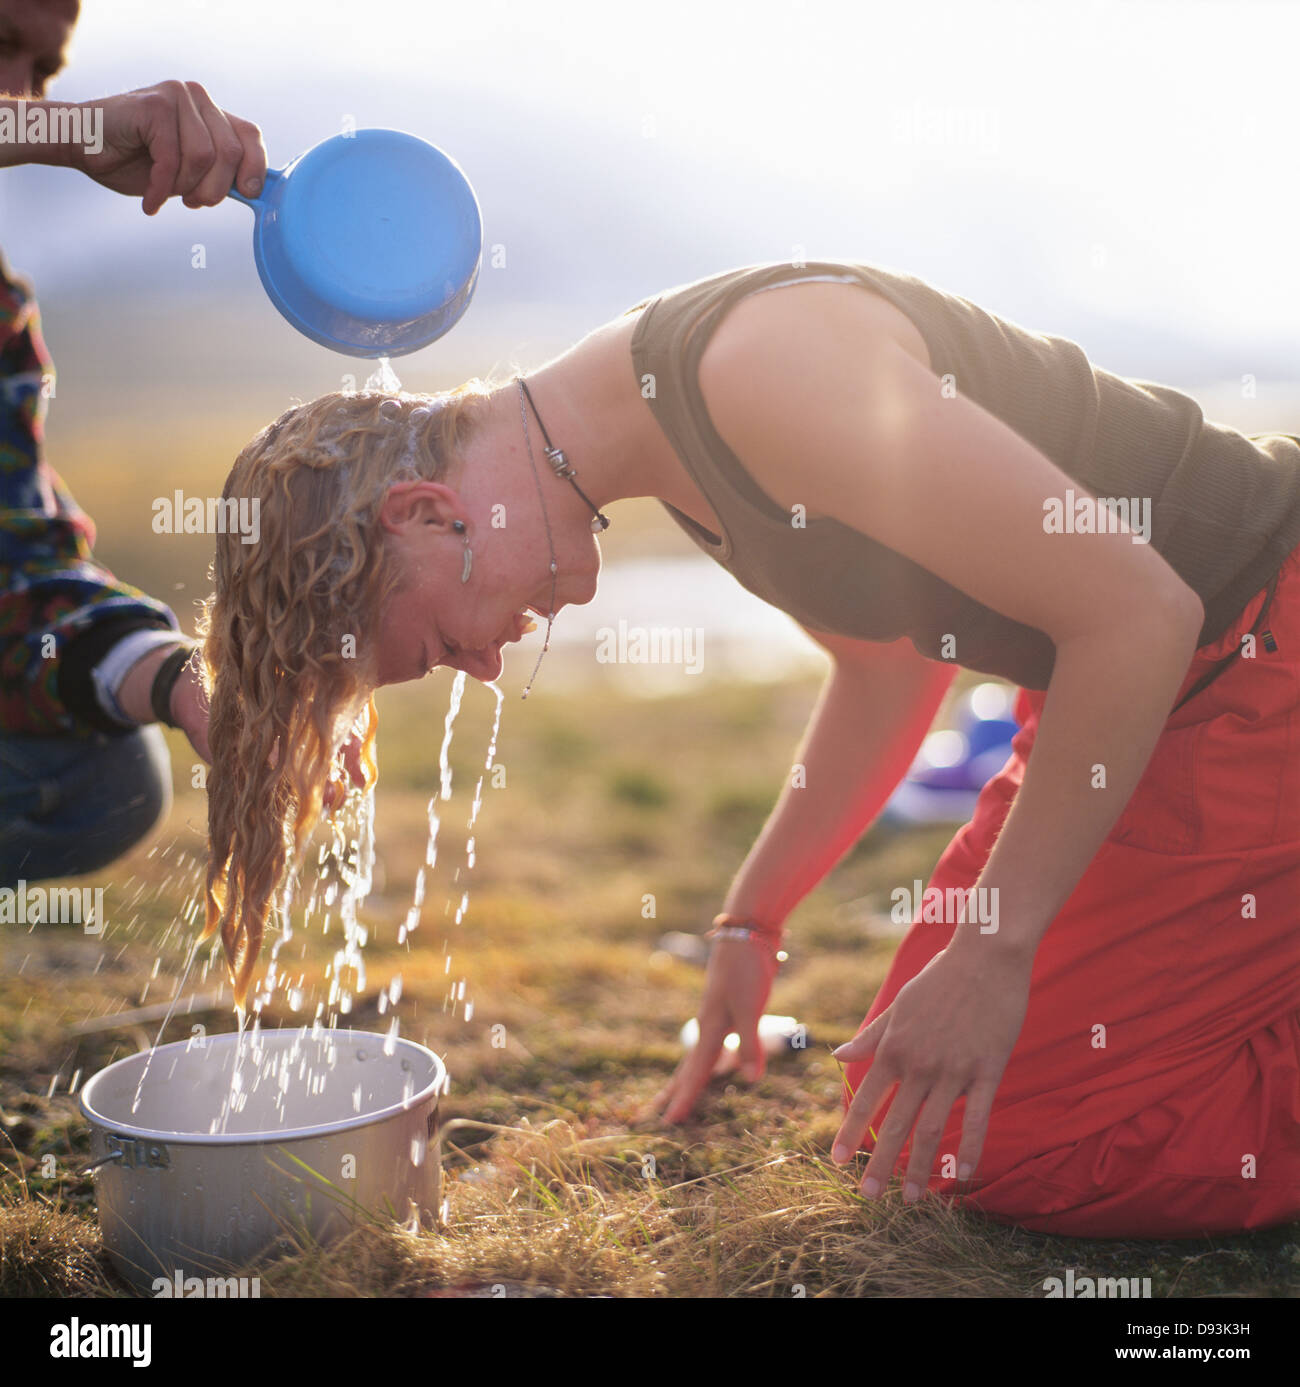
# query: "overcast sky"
1123 173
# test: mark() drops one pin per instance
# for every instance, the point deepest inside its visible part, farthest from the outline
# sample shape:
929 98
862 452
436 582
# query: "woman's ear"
408 504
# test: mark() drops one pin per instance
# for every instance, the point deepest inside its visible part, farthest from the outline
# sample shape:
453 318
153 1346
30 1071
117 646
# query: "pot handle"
134 1152
258 203
103 1160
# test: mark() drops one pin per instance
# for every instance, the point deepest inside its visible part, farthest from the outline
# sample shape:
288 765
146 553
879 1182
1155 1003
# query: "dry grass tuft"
545 1213
47 1251
561 1215
794 1225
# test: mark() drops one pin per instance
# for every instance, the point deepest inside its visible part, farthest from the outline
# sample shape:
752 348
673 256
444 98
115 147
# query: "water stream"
338 882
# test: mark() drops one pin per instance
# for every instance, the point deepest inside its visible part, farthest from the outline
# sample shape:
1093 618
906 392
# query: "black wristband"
164 681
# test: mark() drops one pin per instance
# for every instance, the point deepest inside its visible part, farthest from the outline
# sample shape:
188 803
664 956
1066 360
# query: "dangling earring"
459 527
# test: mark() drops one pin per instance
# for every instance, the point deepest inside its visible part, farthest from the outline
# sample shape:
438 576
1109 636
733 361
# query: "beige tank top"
1224 508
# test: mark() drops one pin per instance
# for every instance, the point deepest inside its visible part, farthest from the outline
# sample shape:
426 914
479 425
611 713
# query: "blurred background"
1116 173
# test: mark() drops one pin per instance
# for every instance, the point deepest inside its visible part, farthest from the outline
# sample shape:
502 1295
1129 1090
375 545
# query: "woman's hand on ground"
950 1031
171 140
736 989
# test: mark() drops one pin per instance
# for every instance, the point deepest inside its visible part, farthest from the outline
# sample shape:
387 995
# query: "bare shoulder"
842 315
810 304
786 348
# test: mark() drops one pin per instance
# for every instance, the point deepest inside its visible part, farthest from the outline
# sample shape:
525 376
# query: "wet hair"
286 687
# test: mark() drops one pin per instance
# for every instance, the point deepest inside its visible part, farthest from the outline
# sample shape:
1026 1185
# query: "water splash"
487 766
338 881
153 1049
457 992
444 764
412 920
383 378
354 852
463 906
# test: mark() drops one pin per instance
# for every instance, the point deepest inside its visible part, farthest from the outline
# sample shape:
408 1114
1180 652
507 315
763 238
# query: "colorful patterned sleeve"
60 611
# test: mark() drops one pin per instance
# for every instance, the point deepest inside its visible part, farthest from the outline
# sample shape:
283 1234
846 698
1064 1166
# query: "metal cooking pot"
237 1140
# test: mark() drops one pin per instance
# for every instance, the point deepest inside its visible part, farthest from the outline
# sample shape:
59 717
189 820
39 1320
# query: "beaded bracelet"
738 927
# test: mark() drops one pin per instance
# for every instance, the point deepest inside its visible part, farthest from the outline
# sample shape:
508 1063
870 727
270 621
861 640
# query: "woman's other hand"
948 1033
736 988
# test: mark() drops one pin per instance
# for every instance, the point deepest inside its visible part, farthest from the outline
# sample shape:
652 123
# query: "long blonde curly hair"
286 687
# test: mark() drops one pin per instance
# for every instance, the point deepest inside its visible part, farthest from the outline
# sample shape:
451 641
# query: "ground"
608 800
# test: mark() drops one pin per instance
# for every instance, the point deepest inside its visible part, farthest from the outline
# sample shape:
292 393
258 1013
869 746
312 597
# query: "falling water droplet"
383 378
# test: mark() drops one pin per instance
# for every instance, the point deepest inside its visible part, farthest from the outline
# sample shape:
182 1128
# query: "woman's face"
433 619
427 622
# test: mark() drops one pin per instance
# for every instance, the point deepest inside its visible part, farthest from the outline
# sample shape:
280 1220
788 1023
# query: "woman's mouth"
481 662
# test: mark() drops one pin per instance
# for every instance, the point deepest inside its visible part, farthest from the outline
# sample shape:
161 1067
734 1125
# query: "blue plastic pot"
369 243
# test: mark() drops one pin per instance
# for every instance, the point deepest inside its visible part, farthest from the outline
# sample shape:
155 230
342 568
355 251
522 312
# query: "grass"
600 840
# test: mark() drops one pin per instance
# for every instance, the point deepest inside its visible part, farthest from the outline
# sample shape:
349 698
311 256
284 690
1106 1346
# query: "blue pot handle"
258 203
